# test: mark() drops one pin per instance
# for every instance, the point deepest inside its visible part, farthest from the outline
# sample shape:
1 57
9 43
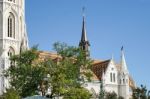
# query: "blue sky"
109 23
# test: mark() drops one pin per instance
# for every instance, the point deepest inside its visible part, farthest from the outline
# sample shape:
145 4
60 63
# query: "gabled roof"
100 67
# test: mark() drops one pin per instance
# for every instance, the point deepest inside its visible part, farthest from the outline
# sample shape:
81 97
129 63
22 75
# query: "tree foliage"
28 76
10 94
77 93
141 93
65 74
111 95
24 76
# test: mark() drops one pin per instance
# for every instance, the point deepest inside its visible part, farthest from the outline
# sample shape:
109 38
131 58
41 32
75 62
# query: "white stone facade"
115 79
13 36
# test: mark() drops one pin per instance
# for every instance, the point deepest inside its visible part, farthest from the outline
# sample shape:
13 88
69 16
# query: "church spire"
84 43
84 35
123 61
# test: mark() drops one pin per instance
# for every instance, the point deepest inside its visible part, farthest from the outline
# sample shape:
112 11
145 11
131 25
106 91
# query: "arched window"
114 77
11 25
111 77
11 1
123 81
11 52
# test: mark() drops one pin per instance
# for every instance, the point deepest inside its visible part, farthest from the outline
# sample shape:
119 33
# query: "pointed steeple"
84 43
84 35
123 61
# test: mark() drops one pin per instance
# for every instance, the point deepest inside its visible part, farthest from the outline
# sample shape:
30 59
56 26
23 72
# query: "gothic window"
110 77
11 25
114 78
11 1
123 81
11 52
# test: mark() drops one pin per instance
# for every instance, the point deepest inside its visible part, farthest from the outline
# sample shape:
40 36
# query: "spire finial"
83 11
122 48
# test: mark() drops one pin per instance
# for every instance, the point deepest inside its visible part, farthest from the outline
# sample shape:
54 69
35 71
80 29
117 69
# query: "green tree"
10 94
25 76
141 92
29 76
111 95
77 93
69 71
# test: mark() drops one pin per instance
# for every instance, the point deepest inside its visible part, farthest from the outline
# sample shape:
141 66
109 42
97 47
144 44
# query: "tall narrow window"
11 26
123 81
110 77
114 78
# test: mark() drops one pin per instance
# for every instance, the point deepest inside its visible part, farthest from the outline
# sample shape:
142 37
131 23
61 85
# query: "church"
14 39
13 35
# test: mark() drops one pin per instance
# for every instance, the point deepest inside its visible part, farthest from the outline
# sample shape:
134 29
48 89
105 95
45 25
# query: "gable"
99 68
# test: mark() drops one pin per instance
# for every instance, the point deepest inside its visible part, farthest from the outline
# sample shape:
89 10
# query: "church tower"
123 77
13 35
84 43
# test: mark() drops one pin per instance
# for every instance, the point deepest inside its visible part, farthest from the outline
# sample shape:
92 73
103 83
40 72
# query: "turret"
123 77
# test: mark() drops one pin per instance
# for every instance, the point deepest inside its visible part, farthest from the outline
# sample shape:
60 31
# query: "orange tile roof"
98 66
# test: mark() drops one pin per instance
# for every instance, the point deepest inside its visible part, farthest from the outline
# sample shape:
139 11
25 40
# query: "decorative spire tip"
122 48
83 11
